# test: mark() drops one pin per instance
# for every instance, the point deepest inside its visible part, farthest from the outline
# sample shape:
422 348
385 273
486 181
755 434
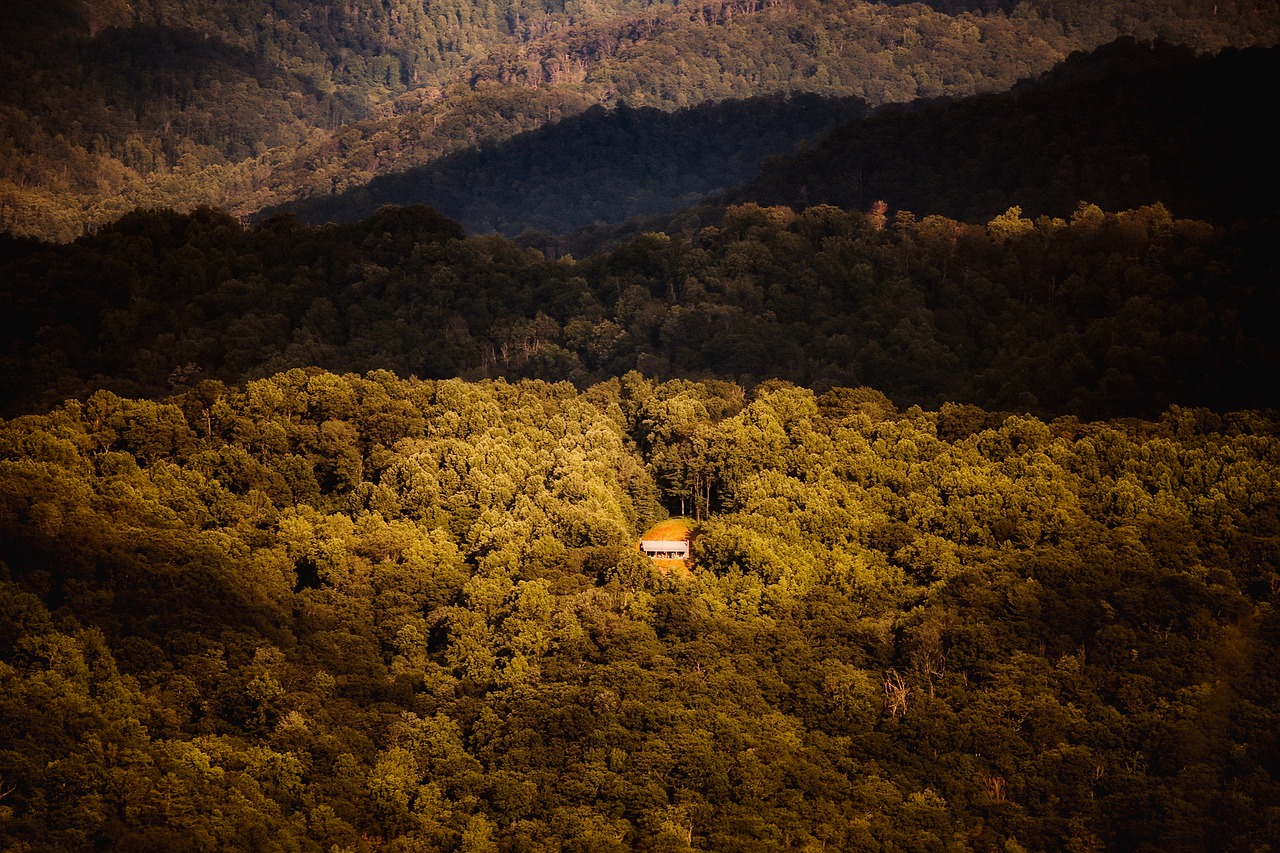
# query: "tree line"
1103 314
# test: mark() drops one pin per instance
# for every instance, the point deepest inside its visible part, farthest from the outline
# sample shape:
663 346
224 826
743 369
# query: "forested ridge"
598 167
1125 125
1128 124
1099 315
109 106
359 612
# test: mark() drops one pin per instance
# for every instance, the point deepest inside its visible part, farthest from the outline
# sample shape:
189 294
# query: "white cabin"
665 549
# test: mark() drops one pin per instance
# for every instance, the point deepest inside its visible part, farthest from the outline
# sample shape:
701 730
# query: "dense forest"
947 330
1126 125
324 612
1100 315
109 106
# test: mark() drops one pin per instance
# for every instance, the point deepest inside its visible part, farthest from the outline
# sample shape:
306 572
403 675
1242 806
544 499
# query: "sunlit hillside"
110 106
337 612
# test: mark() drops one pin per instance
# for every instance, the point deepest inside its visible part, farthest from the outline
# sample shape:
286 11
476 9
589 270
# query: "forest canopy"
364 612
1105 314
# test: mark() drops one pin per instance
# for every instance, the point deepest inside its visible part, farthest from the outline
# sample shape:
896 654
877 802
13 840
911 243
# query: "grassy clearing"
671 530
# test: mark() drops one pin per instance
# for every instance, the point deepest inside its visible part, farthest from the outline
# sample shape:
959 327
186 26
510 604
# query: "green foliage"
325 611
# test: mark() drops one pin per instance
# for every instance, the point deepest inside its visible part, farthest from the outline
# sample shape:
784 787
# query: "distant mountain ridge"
1126 125
176 103
551 179
1066 309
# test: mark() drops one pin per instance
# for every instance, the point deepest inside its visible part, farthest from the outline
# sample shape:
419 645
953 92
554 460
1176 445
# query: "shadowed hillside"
1127 125
1104 314
598 167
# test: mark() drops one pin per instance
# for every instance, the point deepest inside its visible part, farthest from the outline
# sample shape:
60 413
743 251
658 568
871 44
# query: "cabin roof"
664 545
